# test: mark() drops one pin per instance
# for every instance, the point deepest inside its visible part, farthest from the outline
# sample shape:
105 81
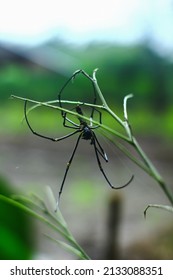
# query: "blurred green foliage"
16 238
122 70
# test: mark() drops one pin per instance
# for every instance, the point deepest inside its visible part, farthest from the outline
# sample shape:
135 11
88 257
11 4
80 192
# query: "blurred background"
41 44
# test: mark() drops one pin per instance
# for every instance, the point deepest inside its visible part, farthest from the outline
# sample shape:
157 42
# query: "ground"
31 163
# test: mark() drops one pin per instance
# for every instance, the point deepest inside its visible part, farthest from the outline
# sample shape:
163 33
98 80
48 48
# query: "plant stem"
152 170
105 105
148 167
166 191
145 164
73 113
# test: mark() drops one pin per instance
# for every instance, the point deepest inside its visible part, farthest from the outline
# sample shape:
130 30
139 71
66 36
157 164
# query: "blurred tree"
123 70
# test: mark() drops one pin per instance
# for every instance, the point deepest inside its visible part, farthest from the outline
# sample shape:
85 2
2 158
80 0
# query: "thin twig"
118 134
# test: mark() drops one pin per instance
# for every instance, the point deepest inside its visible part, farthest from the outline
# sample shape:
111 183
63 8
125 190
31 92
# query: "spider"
84 130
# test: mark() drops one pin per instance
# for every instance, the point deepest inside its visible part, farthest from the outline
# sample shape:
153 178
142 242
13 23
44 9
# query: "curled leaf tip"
94 73
128 96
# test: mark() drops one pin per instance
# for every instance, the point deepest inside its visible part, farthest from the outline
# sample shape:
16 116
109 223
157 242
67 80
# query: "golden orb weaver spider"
85 131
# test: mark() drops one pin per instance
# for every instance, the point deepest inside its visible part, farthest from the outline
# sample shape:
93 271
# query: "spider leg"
101 168
70 121
41 135
80 71
91 118
101 151
64 86
68 166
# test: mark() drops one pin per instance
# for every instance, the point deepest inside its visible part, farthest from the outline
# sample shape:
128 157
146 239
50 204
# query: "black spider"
85 131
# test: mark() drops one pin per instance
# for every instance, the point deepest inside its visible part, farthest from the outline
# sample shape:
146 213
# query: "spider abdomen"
87 134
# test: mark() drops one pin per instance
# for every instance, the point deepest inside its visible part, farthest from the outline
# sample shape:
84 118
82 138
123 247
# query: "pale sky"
77 21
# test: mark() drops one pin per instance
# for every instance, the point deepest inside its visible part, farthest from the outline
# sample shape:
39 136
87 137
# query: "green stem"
166 191
66 102
75 114
148 167
105 105
98 90
153 171
146 160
